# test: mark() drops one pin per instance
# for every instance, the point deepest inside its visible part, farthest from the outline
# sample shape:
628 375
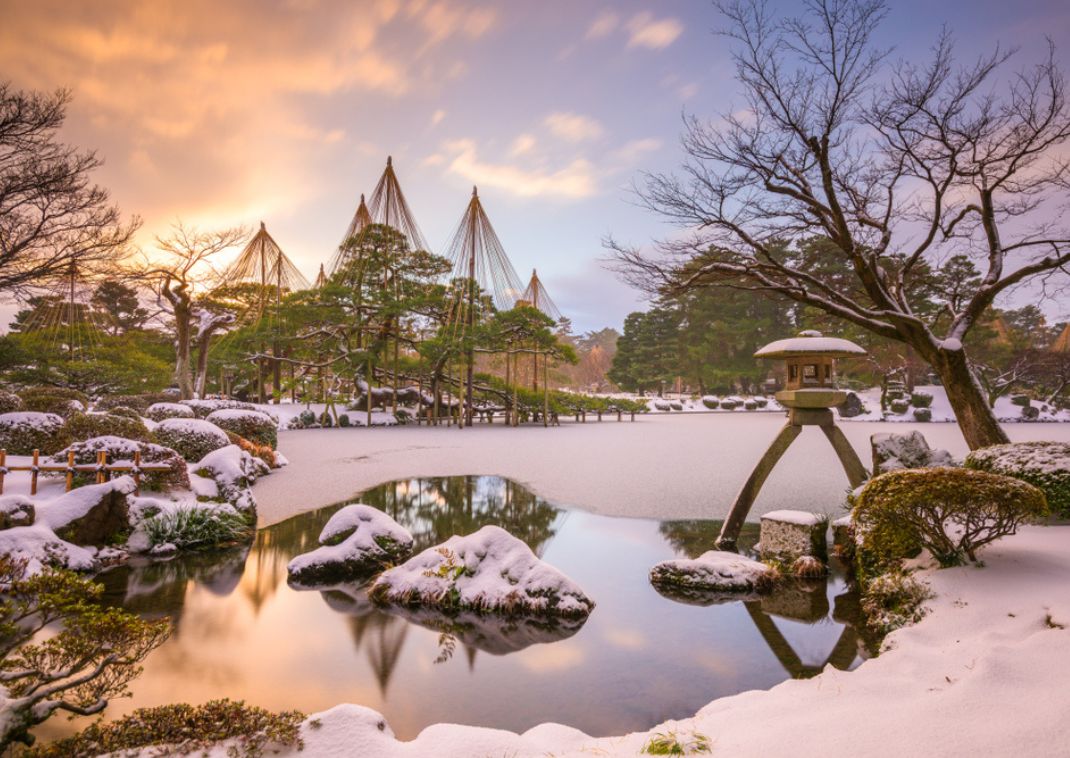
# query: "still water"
241 631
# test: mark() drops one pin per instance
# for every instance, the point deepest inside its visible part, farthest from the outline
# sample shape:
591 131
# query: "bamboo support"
101 469
70 470
33 472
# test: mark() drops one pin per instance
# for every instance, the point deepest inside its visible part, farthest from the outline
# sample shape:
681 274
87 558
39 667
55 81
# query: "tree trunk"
183 371
975 417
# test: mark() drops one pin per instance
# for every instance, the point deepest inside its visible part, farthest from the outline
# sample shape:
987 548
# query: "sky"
224 113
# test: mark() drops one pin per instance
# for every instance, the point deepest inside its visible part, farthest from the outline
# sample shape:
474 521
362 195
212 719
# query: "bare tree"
51 214
185 266
897 167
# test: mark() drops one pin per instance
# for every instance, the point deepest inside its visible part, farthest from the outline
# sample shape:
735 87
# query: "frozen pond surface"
659 467
242 632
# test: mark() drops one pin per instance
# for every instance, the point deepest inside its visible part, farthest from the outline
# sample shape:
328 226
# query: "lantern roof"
810 342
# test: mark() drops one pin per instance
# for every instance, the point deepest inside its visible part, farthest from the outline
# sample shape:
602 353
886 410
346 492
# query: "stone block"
785 535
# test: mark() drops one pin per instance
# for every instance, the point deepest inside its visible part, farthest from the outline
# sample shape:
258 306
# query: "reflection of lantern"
809 392
811 368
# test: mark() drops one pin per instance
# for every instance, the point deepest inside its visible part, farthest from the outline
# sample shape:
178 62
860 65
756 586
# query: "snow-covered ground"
664 466
982 675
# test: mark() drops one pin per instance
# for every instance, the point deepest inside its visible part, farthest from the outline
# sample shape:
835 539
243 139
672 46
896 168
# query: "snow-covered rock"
715 571
787 535
489 570
230 472
895 451
16 510
93 515
40 548
357 541
192 438
163 411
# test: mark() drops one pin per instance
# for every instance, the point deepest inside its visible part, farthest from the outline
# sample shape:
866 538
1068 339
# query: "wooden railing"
101 468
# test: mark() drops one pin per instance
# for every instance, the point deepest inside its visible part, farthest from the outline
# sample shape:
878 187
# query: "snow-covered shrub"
192 527
162 411
711 402
750 404
10 402
343 419
125 412
357 541
252 425
715 571
923 414
662 405
121 450
731 403
761 402
138 402
1043 464
23 432
676 405
203 407
921 399
1022 400
326 420
57 400
894 600
487 571
263 452
192 438
1030 413
899 406
83 426
951 512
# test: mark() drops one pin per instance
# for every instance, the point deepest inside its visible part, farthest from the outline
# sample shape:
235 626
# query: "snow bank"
801 518
489 570
355 542
232 471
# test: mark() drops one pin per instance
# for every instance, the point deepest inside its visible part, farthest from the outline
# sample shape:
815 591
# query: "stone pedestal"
786 535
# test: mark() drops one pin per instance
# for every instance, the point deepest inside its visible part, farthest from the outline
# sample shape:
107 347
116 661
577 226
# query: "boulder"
787 535
895 451
16 510
357 541
487 571
851 407
713 575
94 515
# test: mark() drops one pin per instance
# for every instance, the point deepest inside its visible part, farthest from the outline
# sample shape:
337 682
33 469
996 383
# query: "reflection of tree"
434 509
692 538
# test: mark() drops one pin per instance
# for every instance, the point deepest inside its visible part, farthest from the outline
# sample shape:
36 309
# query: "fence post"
70 470
33 472
137 473
102 459
3 469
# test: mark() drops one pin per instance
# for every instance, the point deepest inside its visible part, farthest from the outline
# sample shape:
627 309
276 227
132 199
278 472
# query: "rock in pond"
486 571
715 571
356 542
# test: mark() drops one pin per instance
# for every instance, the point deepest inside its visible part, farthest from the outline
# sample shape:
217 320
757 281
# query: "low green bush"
921 399
923 414
23 432
192 528
176 476
899 406
164 410
10 402
894 600
343 419
1022 400
183 729
951 512
125 412
84 426
192 438
252 425
58 400
1043 464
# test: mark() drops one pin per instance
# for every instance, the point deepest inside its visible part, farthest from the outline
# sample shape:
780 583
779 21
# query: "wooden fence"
102 469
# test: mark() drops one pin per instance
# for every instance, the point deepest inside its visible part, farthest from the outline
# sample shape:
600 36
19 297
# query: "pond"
240 631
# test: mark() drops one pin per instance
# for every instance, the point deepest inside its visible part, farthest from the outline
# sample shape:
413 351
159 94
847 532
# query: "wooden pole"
3 469
70 470
545 389
137 473
102 461
33 472
368 394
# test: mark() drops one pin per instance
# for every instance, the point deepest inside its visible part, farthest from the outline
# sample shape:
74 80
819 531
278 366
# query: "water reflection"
640 658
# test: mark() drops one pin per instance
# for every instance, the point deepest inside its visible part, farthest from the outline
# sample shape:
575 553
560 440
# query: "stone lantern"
809 394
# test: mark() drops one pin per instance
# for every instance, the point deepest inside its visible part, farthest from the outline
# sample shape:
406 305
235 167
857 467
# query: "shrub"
189 528
192 438
120 449
1043 464
952 512
325 420
10 402
1030 413
1022 400
730 403
761 402
750 404
125 412
57 400
83 426
163 411
894 600
204 407
139 402
263 452
711 402
252 425
343 418
23 432
923 414
899 406
671 743
921 399
183 729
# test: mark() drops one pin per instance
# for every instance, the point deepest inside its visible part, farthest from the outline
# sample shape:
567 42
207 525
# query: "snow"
800 518
1025 457
77 503
488 570
232 470
1004 409
951 344
192 426
31 419
809 342
238 414
352 544
165 410
714 570
38 545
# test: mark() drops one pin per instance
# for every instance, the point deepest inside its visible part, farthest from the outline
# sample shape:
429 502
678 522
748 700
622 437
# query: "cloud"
631 152
522 145
442 20
604 24
574 180
645 31
573 127
437 116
